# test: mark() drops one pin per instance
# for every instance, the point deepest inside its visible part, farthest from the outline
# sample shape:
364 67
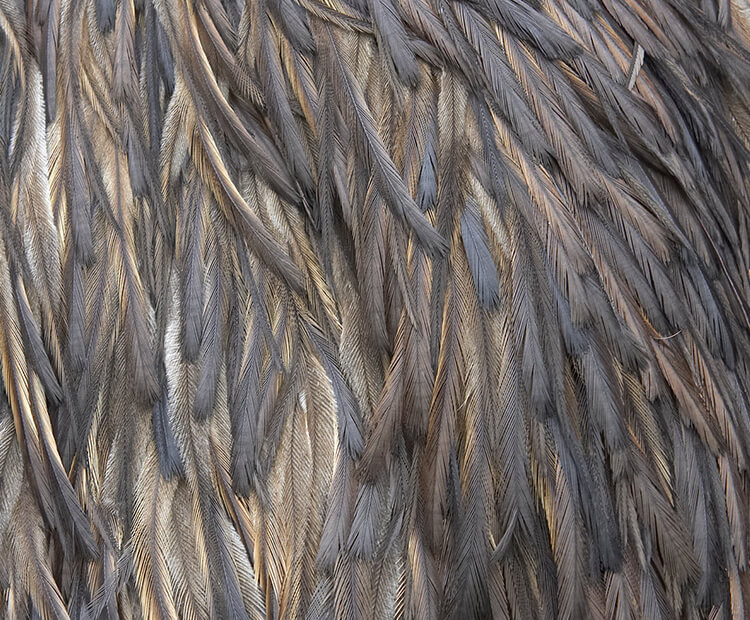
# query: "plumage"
374 309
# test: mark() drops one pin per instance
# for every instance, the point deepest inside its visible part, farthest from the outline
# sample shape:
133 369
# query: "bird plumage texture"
350 309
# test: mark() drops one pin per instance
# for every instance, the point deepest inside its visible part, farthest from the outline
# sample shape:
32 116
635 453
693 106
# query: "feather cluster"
378 309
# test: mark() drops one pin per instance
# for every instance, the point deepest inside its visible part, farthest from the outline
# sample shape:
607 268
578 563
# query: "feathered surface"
372 309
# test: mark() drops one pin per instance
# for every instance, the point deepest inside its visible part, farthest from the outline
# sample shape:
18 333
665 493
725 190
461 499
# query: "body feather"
374 309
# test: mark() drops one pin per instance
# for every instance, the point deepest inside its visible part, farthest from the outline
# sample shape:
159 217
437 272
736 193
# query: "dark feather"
481 263
170 459
106 10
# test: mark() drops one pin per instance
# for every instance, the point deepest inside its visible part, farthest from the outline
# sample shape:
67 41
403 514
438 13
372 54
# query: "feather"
106 11
349 420
392 37
33 341
275 90
391 185
481 263
208 356
374 309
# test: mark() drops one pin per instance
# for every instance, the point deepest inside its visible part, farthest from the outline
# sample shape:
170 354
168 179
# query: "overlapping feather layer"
374 309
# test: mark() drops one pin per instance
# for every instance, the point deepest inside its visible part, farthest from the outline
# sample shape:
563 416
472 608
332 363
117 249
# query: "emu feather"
374 309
